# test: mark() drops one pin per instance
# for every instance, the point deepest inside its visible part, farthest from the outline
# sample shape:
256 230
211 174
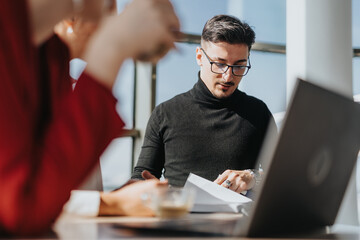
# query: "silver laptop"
307 166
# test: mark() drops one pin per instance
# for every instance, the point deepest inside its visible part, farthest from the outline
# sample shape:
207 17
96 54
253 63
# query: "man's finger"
221 178
147 175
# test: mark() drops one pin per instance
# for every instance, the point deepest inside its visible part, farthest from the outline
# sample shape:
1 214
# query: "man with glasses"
214 128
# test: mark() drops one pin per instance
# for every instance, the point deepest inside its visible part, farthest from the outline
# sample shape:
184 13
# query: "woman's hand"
145 30
127 200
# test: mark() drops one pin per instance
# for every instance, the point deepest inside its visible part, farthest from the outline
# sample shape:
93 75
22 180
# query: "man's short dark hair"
229 29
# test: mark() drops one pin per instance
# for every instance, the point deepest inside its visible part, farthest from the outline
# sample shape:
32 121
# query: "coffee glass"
169 202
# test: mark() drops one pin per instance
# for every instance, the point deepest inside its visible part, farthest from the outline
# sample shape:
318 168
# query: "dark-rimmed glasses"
221 68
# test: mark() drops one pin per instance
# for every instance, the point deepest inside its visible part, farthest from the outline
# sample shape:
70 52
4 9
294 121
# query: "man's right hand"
147 175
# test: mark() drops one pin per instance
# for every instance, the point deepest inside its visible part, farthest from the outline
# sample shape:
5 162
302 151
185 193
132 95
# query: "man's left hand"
237 181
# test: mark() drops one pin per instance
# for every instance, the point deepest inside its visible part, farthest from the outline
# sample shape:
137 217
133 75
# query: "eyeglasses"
221 68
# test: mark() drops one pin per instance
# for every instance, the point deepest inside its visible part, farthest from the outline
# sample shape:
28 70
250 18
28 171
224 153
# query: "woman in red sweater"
51 137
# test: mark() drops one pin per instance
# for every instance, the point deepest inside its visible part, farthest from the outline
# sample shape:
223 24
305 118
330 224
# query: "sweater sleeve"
83 203
152 155
36 179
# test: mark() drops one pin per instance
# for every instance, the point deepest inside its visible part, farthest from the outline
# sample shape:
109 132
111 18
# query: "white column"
143 105
319 43
236 8
319 49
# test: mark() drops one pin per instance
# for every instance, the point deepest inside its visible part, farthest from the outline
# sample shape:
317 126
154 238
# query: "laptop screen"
309 164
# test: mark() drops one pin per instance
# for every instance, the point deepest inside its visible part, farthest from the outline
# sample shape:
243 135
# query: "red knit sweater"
50 137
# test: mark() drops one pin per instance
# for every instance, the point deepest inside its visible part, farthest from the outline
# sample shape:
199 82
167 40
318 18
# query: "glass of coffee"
170 202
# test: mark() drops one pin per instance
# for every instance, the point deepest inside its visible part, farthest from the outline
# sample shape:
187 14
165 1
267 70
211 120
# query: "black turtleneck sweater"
196 132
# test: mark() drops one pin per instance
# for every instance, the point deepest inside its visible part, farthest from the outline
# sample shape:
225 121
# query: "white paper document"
211 197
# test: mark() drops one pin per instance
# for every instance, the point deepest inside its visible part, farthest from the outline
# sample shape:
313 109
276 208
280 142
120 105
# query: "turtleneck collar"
202 93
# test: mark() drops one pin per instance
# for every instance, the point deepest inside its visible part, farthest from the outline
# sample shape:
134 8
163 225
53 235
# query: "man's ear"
199 56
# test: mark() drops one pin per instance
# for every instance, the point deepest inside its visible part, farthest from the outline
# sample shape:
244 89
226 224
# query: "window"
356 44
116 161
177 72
266 80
